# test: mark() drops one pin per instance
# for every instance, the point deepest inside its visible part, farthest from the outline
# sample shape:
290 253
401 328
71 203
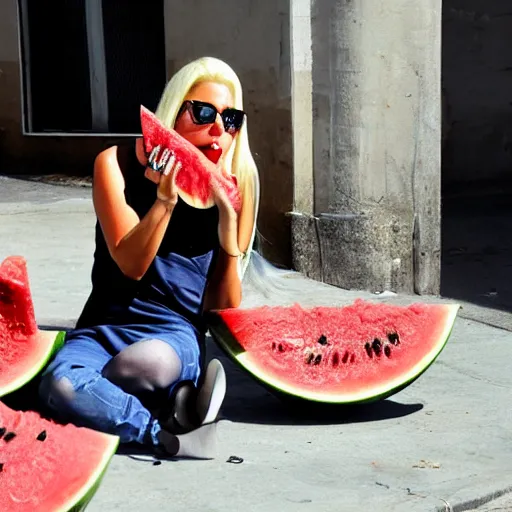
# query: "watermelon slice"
48 466
343 355
24 349
194 178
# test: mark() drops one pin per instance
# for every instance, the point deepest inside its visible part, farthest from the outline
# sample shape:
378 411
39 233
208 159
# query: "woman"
132 365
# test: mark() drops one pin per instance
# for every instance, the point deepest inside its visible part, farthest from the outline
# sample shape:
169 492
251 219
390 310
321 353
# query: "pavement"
442 444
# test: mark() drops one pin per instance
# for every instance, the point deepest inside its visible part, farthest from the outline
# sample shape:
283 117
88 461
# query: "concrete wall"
252 36
376 146
477 80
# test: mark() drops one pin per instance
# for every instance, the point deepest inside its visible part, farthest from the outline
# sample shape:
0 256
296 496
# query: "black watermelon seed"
335 359
368 349
41 436
273 345
9 436
318 359
387 351
377 346
393 338
157 463
345 357
2 432
323 340
280 347
310 358
352 358
1 466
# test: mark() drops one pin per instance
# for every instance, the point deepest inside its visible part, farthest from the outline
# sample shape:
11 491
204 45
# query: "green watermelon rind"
31 373
223 337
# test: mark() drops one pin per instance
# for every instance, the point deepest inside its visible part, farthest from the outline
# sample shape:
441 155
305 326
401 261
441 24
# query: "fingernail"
153 154
165 157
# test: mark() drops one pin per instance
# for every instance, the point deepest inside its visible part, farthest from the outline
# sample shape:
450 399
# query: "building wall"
251 36
477 83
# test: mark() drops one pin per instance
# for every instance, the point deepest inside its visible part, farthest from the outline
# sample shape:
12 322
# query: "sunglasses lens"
204 114
233 120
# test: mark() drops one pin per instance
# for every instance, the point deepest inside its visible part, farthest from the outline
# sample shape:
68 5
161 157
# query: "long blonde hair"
239 160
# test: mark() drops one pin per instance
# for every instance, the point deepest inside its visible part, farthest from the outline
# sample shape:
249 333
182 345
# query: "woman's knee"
56 392
144 366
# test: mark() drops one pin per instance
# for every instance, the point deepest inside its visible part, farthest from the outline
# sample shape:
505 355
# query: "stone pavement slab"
443 443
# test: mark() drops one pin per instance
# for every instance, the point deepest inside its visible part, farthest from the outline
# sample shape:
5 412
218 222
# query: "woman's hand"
162 170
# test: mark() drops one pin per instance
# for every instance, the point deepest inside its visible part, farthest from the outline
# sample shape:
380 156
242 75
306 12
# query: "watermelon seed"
2 432
368 349
9 436
352 358
310 357
280 347
377 346
318 359
393 338
323 340
335 359
345 357
1 466
273 345
41 436
387 351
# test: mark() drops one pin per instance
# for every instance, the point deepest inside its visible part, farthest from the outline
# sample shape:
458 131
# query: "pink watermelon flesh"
194 178
24 349
60 471
330 354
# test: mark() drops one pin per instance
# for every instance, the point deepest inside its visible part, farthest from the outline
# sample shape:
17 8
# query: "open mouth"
213 152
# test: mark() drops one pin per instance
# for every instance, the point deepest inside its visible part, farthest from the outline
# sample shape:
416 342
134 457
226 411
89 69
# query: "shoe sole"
212 392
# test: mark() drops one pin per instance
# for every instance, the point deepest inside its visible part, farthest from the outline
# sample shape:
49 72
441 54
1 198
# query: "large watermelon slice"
194 178
24 349
357 353
45 466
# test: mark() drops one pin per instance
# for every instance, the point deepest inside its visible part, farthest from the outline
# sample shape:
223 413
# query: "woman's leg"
145 367
74 388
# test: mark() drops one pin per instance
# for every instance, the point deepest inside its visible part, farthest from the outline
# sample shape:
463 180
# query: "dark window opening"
87 68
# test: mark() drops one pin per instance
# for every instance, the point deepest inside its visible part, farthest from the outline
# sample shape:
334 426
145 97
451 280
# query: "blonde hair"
239 160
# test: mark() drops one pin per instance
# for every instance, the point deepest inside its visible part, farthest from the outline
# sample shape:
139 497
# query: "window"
88 65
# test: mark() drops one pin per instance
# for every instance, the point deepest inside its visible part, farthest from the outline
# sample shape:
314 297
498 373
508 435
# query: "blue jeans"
73 387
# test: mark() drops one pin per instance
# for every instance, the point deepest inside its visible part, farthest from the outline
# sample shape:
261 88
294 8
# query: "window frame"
97 75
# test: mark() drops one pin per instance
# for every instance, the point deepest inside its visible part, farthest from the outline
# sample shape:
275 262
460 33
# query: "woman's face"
212 139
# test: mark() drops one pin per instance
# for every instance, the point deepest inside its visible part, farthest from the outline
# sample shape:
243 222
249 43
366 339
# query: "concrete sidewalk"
441 444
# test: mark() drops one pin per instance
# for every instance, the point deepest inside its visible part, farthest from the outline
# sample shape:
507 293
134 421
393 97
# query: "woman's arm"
132 242
235 234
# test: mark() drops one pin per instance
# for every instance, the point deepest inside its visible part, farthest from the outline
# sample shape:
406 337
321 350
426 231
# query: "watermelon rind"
54 341
227 342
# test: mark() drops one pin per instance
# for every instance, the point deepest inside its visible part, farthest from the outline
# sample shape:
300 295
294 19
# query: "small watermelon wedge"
24 348
45 466
340 355
194 178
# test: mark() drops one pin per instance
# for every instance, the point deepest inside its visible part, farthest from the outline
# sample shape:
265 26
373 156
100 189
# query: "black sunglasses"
206 113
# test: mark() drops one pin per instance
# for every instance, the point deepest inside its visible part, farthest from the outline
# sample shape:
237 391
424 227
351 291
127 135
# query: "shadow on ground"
477 247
